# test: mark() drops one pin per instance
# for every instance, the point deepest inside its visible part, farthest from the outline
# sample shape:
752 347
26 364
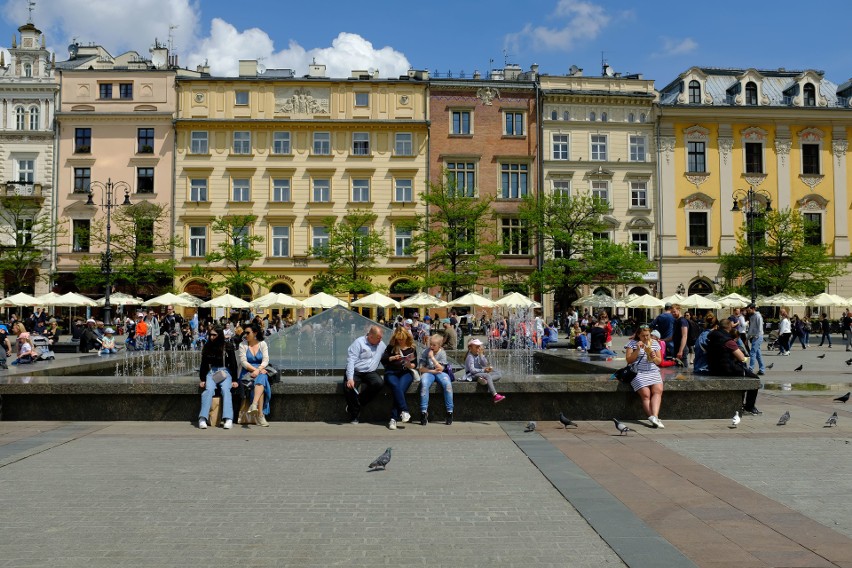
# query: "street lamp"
749 198
108 190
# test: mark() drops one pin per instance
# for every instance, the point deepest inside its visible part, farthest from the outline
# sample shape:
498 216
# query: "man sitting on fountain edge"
362 360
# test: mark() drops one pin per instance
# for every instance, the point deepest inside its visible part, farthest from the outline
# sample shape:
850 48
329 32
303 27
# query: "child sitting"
26 353
108 342
476 368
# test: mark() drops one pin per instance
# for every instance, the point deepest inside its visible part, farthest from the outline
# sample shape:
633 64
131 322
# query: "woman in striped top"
644 352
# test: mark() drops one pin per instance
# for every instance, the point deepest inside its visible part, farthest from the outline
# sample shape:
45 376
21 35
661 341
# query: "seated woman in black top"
218 367
726 360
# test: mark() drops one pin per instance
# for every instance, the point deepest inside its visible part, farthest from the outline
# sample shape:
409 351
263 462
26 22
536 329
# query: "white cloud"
672 47
585 21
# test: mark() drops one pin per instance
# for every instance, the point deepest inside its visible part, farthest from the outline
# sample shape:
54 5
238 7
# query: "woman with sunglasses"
254 358
218 367
643 353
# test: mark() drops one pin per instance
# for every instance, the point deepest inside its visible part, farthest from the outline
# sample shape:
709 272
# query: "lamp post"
108 190
749 198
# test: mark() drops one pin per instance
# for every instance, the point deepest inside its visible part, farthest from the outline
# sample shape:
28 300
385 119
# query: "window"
751 93
562 188
82 180
560 146
241 236
145 141
560 249
694 93
566 115
754 158
362 99
281 190
403 190
402 241
145 235
554 115
641 244
639 194
280 241
280 142
105 90
604 117
144 180
514 124
600 189
28 70
20 118
361 190
637 148
514 178
813 228
361 143
631 117
516 239
242 189
82 140
242 142
125 90
319 238
322 191
26 170
810 95
198 142
696 160
197 241
34 118
600 236
198 190
361 242
599 147
23 231
461 176
698 229
592 117
403 144
322 143
642 117
461 122
810 159
80 235
241 98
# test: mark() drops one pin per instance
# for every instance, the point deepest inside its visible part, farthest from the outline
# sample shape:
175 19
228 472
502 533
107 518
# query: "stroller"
772 340
42 347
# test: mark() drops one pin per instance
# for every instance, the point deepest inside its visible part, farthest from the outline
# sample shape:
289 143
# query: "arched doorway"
638 290
602 290
700 287
282 288
518 287
199 289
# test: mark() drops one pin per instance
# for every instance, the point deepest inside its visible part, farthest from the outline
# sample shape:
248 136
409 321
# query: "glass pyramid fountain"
318 346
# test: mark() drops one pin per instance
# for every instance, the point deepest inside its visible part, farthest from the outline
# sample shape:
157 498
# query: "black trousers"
368 384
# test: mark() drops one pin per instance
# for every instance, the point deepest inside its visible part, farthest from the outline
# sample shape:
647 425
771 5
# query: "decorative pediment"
696 133
697 200
812 202
600 173
82 108
487 95
754 134
640 223
610 221
811 135
694 74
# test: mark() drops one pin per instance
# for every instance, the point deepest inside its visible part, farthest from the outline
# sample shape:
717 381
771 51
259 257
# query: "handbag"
222 373
273 374
625 374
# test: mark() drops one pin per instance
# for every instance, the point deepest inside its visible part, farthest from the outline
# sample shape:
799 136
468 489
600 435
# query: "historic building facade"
294 151
722 131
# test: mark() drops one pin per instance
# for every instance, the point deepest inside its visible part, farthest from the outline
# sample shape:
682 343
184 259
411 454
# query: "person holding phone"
398 361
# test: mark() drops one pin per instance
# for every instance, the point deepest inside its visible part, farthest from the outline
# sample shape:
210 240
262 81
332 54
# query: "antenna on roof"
30 7
506 56
172 27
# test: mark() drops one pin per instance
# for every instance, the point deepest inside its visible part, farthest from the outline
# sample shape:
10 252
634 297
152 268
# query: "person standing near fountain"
218 366
433 364
399 361
476 368
254 358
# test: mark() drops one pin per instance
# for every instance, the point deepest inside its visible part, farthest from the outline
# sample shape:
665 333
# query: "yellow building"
722 131
294 151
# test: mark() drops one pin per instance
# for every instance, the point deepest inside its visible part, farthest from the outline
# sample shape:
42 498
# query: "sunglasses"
214 335
644 326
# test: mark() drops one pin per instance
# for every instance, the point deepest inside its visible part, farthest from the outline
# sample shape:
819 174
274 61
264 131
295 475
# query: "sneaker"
449 418
659 423
499 398
354 421
761 373
202 423
253 408
654 420
404 417
392 424
228 424
261 419
424 418
753 411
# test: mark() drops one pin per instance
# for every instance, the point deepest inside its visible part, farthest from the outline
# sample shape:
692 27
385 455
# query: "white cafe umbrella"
646 301
72 299
782 299
825 300
734 301
596 301
422 300
376 300
323 300
168 299
196 301
473 300
48 299
19 299
673 299
699 302
226 301
120 299
276 300
516 300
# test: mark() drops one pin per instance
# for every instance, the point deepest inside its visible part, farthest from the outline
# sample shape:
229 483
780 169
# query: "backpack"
693 333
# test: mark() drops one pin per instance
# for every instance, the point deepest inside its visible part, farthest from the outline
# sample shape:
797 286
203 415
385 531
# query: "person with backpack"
665 323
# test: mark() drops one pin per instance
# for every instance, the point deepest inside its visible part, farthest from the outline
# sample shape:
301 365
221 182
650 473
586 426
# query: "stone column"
839 146
727 240
666 187
783 143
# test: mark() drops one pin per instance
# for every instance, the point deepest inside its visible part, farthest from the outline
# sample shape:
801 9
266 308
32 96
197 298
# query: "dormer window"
591 117
554 115
751 94
28 70
694 93
809 95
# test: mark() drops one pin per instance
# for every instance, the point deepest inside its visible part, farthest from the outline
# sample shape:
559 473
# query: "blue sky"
659 39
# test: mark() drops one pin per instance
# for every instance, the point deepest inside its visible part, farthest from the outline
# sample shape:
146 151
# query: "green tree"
785 260
141 247
27 235
351 253
458 239
236 253
574 252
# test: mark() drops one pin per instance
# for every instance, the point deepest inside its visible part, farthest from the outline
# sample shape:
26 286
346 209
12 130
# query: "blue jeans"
207 396
755 354
399 383
607 352
426 382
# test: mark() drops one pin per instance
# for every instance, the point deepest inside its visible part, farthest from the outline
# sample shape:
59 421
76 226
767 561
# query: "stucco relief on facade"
754 134
725 146
301 100
696 133
667 145
839 147
812 203
782 148
487 95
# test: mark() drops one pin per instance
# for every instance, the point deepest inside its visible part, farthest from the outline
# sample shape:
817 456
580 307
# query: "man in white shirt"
362 360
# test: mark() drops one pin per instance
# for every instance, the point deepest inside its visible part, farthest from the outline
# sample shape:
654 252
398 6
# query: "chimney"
248 67
477 74
316 70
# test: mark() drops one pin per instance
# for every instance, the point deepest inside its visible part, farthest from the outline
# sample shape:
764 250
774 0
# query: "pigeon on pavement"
784 418
621 427
735 420
844 398
832 420
799 368
849 361
531 426
565 420
382 460
821 356
769 366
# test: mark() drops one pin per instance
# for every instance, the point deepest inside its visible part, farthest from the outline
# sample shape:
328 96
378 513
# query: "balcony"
24 191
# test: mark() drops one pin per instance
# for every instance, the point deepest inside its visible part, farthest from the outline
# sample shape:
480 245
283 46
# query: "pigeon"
531 426
799 368
565 420
621 427
844 399
769 366
735 420
382 460
849 361
784 418
832 420
821 356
